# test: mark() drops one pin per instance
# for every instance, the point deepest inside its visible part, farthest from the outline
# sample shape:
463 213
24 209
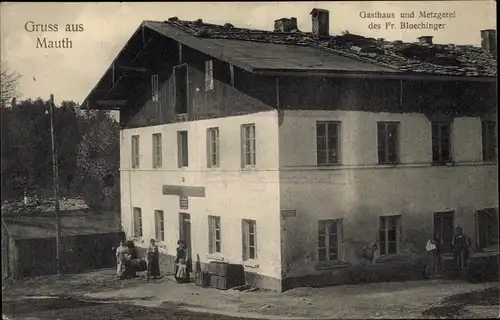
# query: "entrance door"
185 235
443 229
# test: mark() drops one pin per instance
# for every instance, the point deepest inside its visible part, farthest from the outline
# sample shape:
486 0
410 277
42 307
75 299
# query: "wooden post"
56 185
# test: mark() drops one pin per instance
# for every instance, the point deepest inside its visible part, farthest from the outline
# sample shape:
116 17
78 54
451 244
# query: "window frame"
248 145
209 76
182 66
157 150
489 155
159 225
182 150
214 225
327 234
211 145
386 143
155 88
326 137
489 229
137 229
384 223
439 141
246 234
135 149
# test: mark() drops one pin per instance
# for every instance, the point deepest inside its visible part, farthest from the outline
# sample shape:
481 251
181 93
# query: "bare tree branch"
9 82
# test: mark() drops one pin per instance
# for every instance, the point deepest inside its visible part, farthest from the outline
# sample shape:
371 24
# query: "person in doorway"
122 252
461 244
369 254
180 262
153 260
432 257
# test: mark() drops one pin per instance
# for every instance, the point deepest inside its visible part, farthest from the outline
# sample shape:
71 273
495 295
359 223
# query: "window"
327 142
181 89
155 94
157 150
249 240
135 151
159 225
155 88
137 223
387 137
328 240
209 75
487 228
182 148
489 141
441 147
248 145
389 234
214 236
213 147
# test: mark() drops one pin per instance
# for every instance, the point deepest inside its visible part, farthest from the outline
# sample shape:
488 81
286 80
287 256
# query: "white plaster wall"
231 192
359 191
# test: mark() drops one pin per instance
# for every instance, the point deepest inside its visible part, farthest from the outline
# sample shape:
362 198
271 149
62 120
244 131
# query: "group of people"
128 264
460 247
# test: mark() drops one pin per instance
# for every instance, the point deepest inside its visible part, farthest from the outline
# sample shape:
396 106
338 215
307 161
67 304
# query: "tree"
98 162
9 82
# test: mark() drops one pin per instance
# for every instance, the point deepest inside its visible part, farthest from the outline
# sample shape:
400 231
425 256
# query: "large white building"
264 149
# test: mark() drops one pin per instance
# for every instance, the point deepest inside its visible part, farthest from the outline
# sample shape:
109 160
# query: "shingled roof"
340 52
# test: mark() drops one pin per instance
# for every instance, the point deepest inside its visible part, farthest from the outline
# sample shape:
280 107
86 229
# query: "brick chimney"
285 25
489 41
425 40
320 22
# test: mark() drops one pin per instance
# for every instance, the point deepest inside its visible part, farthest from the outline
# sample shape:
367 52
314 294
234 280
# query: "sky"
71 73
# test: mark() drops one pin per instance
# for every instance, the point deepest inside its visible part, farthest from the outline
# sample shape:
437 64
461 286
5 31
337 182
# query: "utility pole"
56 185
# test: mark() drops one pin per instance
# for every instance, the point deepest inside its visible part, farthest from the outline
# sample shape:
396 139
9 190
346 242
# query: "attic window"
155 91
209 75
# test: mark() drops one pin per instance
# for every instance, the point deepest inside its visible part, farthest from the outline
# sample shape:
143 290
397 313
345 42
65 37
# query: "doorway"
443 229
185 235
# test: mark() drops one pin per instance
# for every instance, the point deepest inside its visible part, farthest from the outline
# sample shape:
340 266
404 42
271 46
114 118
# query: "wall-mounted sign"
288 213
183 202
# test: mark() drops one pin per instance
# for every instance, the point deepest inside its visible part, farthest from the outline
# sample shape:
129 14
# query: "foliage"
87 152
97 163
8 84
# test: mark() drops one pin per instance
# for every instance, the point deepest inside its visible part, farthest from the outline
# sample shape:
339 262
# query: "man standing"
461 244
121 254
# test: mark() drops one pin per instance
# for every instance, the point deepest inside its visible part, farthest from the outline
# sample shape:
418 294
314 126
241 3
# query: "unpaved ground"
379 300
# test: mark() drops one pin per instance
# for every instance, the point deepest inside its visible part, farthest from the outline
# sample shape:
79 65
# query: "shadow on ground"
75 309
454 306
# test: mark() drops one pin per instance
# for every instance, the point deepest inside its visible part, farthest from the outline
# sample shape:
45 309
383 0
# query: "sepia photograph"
249 160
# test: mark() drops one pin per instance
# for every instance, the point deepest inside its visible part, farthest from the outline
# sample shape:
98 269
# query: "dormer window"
209 75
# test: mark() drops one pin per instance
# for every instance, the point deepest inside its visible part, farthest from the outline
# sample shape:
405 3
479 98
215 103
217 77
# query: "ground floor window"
389 234
487 227
159 225
249 239
137 224
214 234
328 240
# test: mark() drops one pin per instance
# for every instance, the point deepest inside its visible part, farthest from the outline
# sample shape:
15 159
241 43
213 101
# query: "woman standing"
432 248
153 260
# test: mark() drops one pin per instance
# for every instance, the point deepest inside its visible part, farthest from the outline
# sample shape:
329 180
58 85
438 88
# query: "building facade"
290 169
